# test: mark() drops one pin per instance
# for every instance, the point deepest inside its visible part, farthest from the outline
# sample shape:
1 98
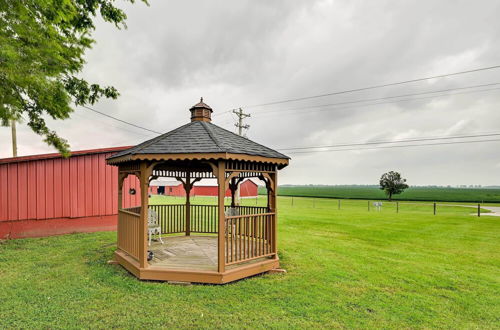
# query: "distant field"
441 194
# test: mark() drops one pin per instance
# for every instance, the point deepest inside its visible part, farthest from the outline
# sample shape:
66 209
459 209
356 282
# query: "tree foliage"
43 43
392 184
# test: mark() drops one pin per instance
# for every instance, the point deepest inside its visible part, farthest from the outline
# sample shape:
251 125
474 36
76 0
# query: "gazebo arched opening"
209 243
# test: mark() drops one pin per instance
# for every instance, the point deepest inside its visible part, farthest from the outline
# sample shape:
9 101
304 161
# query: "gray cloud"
248 52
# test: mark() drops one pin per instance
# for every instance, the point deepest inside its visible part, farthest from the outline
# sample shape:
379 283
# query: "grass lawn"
346 268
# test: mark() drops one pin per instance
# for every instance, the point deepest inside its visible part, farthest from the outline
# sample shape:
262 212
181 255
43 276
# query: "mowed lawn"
346 268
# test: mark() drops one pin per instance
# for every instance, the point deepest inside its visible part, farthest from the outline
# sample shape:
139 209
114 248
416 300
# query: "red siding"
39 188
32 200
248 189
58 191
131 182
12 192
4 212
47 191
22 172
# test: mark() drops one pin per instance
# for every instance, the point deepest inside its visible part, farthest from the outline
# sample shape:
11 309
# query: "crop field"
437 194
347 268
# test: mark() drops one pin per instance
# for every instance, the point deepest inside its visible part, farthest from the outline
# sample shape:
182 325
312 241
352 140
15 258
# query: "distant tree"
43 43
392 184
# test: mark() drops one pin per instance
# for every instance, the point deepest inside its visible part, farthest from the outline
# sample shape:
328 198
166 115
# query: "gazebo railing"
172 218
249 237
204 218
128 231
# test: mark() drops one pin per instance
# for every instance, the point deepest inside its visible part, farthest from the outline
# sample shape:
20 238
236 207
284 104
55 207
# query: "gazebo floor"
190 253
191 259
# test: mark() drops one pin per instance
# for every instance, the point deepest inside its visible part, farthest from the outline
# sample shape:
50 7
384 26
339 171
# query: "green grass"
346 268
441 194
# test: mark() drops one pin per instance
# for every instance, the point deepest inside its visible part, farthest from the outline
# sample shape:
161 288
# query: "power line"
391 147
395 141
108 125
121 120
391 97
370 87
379 103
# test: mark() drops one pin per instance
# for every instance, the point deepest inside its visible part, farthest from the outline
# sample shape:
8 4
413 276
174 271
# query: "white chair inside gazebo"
154 226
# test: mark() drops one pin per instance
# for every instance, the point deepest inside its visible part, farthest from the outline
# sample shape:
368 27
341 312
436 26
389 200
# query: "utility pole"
14 138
241 116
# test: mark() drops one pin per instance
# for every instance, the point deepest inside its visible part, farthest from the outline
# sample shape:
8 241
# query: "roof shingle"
200 137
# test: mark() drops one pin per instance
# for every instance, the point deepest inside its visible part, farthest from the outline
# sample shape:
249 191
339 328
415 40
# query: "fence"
372 205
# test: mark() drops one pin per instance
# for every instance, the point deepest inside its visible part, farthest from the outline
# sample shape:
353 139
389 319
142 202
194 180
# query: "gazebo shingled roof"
200 137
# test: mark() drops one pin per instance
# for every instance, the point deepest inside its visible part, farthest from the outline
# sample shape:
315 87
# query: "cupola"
201 112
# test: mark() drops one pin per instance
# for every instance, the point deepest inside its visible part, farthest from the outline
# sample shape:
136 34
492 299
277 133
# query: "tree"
392 183
43 43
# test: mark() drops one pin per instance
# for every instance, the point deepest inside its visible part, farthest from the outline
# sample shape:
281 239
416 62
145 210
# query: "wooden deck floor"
189 252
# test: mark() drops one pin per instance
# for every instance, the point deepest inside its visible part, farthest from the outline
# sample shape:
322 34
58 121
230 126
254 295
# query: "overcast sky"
242 53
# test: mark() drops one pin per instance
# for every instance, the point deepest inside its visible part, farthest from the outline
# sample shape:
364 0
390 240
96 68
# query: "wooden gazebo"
201 243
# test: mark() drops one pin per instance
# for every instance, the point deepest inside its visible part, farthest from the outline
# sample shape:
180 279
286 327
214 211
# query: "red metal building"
47 195
248 188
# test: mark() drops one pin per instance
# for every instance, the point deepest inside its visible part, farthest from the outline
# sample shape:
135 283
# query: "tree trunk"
14 137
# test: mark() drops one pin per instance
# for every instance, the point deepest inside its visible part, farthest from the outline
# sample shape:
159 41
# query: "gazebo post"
272 191
187 188
145 172
121 178
233 187
268 192
273 206
221 180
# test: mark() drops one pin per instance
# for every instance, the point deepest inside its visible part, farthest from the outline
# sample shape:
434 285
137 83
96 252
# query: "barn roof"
200 137
58 155
160 182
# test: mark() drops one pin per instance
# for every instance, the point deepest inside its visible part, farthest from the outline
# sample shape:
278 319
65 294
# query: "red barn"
248 189
167 188
46 194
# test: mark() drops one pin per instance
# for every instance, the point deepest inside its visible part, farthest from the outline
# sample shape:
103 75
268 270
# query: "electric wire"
312 108
370 87
121 120
104 124
394 141
389 98
398 146
259 115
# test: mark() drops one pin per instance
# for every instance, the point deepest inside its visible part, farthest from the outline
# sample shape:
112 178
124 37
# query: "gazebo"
201 243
